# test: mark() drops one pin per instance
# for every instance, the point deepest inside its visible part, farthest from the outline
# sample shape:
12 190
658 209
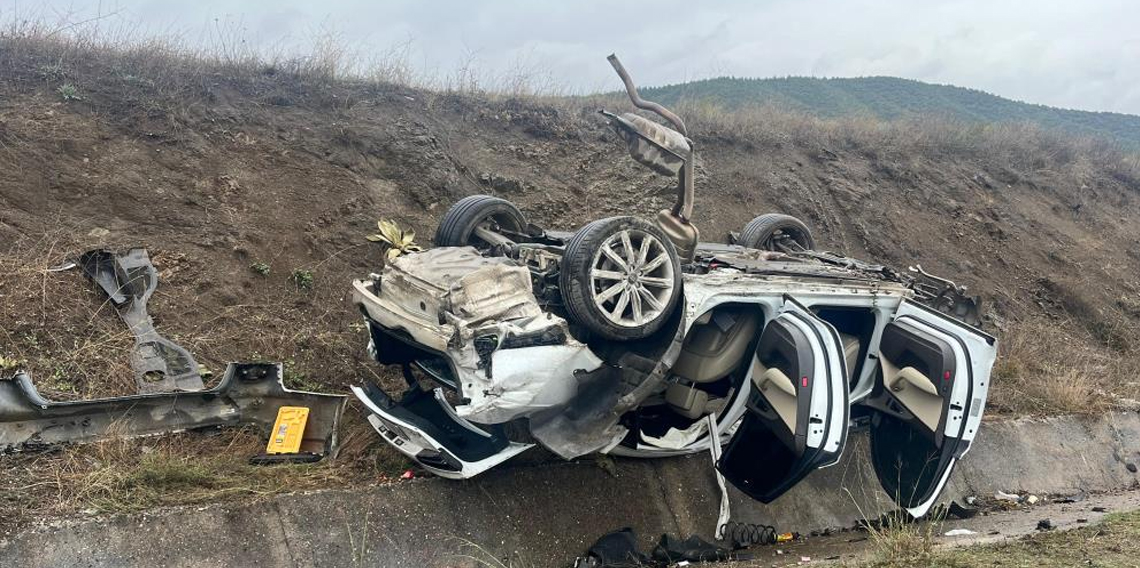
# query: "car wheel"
775 232
457 227
620 278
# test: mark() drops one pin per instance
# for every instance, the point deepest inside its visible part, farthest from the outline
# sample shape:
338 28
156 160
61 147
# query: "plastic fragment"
960 532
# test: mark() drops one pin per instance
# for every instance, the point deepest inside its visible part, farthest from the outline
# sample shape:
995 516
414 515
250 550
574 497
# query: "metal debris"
249 393
129 280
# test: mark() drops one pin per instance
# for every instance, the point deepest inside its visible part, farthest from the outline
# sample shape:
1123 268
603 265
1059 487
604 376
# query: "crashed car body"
634 338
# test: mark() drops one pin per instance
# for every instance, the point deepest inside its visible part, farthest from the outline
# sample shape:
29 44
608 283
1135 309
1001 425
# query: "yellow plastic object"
288 430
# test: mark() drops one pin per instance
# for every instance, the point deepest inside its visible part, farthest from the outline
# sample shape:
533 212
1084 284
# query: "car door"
929 404
797 413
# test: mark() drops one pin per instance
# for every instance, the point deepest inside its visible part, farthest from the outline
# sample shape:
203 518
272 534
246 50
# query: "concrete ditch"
545 514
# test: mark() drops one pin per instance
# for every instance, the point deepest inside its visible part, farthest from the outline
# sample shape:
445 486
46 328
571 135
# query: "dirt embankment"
217 169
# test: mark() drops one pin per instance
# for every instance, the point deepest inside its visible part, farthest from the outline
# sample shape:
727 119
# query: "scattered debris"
962 512
960 532
1032 499
670 550
619 549
1131 467
1099 509
1045 525
1076 498
1011 497
249 393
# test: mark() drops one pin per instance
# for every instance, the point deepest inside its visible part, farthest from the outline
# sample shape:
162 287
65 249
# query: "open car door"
796 420
935 379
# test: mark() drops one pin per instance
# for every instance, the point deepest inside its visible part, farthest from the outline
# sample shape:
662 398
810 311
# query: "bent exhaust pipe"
642 103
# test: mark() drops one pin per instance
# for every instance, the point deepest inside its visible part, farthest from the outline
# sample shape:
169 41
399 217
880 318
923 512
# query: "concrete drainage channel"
545 515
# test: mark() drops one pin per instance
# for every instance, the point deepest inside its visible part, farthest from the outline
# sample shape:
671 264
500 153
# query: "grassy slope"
892 97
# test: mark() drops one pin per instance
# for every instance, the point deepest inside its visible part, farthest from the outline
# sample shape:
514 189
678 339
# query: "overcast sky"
1070 53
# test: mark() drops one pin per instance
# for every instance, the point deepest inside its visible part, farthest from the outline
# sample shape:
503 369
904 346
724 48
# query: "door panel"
796 420
934 385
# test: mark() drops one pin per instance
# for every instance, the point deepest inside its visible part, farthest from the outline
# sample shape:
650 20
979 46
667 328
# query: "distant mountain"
892 97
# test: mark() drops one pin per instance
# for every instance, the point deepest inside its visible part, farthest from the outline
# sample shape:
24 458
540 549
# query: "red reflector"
946 376
804 381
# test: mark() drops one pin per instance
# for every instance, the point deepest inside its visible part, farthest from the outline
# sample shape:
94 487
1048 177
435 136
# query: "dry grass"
1023 146
58 325
121 476
169 73
896 540
1043 369
171 65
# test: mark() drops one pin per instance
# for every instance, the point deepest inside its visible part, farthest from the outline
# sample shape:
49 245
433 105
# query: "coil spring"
743 535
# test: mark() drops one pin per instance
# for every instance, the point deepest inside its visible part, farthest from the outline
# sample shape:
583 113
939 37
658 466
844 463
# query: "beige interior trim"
915 391
778 389
850 352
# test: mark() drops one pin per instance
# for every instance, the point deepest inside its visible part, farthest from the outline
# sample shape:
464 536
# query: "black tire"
457 227
759 232
579 284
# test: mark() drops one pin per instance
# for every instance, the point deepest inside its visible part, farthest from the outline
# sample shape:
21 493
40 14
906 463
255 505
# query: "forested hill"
892 97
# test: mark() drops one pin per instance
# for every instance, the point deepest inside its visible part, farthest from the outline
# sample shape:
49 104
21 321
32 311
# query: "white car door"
934 384
797 414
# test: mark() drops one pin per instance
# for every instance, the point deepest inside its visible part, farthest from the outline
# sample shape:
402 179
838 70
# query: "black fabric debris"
617 549
694 549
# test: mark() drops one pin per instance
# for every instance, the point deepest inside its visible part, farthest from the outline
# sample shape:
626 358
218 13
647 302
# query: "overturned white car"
633 338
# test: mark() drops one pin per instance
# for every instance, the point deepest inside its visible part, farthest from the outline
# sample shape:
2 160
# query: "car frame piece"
129 279
248 394
633 338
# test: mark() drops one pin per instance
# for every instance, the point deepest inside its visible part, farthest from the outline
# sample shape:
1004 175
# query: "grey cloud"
1062 53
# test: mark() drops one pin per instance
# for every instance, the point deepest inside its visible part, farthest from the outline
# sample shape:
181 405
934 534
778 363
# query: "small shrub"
297 379
9 363
302 278
51 71
397 241
260 268
69 92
